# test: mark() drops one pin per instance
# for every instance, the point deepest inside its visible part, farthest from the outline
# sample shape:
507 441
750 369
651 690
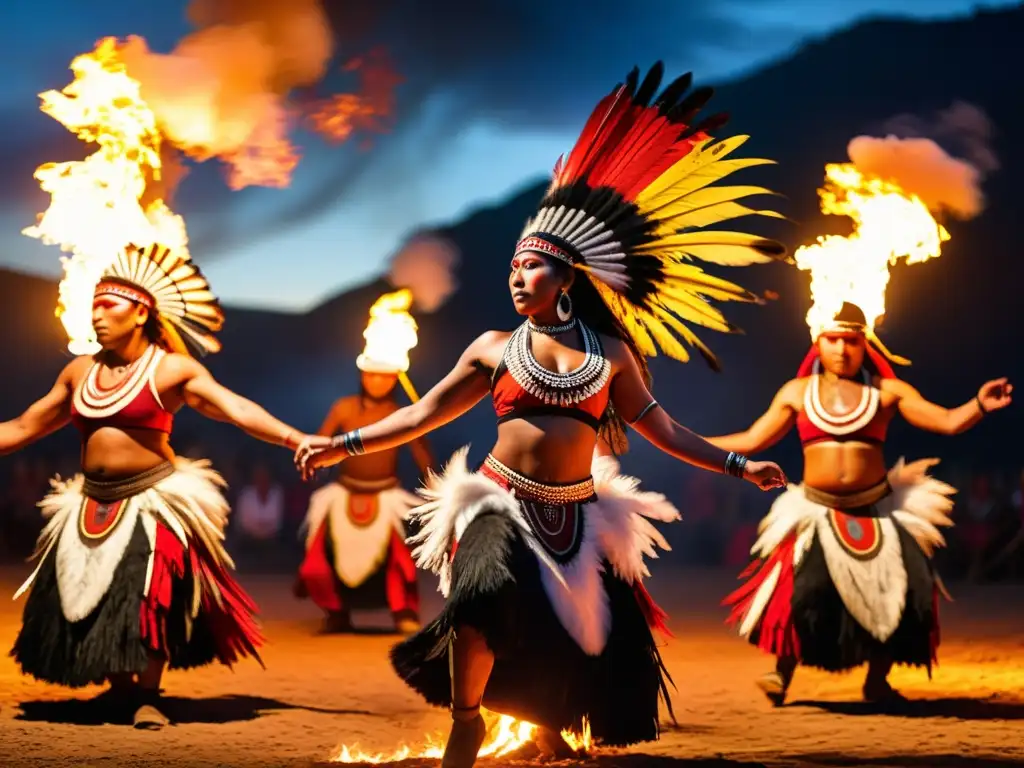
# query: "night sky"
492 94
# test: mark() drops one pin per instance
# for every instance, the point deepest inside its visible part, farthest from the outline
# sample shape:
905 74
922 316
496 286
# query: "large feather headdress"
628 205
169 283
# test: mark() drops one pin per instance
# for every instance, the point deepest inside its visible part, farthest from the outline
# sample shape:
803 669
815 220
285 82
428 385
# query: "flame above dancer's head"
205 99
890 192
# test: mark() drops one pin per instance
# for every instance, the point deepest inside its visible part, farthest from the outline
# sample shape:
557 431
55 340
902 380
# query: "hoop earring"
564 307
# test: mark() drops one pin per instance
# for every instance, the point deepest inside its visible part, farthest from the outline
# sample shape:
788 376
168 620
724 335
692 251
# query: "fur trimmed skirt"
837 584
555 588
356 555
134 573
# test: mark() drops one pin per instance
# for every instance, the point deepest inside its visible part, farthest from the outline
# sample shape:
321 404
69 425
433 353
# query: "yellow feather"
702 154
669 344
705 284
685 302
713 214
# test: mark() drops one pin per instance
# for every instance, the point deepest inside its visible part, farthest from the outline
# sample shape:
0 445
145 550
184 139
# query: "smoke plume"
425 265
915 157
224 89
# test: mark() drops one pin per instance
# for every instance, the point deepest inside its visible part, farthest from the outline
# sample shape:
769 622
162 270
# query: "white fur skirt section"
189 503
617 529
873 588
359 550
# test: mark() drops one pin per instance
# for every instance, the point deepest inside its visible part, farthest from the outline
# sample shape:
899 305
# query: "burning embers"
506 736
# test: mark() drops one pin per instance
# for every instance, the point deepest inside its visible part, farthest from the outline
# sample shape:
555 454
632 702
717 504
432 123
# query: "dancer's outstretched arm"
634 401
206 395
773 425
926 415
45 416
464 386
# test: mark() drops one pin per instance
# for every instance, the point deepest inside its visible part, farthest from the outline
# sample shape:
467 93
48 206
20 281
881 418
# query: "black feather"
673 93
649 87
686 110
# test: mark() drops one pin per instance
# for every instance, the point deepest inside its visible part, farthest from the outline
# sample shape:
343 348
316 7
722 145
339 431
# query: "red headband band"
112 288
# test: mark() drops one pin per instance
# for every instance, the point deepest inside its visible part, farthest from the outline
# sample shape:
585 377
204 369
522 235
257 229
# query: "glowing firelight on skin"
888 224
95 207
505 735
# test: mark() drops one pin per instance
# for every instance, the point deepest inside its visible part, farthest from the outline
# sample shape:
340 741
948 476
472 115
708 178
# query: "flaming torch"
888 224
95 207
389 335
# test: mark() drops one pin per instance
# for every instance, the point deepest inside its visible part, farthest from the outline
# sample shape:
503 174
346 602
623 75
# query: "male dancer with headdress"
133 575
356 556
844 574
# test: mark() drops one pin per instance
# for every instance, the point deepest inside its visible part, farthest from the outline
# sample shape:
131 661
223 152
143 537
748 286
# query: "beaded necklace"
551 387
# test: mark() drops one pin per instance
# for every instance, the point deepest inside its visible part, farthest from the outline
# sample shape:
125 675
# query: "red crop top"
132 404
864 424
512 400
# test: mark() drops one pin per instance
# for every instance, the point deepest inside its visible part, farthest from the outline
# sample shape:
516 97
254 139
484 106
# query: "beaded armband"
735 464
351 442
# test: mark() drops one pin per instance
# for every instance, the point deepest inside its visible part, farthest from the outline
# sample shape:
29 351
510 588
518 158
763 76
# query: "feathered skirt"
551 577
130 569
841 580
356 555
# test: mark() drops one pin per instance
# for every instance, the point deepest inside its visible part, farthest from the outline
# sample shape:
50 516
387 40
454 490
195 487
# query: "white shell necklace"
551 387
847 424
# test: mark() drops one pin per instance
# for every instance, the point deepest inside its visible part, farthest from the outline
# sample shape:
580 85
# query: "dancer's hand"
766 475
995 394
315 452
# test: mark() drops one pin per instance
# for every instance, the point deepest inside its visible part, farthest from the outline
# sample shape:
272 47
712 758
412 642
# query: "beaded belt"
367 486
548 493
109 491
848 502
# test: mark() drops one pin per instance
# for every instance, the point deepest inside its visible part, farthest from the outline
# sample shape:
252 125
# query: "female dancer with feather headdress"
540 552
843 574
133 575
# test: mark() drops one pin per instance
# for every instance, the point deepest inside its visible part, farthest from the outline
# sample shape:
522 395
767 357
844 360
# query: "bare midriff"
551 449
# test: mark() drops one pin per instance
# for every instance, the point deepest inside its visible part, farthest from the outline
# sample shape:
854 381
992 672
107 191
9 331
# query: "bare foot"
407 626
773 687
464 742
552 746
336 622
882 693
149 718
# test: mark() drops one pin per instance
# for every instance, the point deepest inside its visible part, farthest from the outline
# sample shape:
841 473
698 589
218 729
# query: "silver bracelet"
647 409
735 464
351 442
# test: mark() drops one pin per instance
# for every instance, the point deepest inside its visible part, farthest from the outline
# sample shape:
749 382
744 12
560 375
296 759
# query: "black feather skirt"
540 675
110 640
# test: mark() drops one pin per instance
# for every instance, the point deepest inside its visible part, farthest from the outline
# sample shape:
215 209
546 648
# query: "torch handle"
410 390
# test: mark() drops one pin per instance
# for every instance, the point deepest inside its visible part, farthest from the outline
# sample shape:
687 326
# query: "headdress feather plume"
171 285
629 204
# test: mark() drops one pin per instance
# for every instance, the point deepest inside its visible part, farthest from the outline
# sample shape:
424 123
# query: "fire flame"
888 224
505 734
390 334
95 206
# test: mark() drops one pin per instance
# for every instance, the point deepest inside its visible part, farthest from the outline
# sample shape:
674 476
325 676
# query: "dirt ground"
319 692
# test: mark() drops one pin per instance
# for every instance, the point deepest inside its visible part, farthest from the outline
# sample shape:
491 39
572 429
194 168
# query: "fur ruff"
873 591
359 552
616 531
189 503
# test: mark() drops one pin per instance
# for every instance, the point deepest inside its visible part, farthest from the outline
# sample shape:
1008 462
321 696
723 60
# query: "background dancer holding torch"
356 556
